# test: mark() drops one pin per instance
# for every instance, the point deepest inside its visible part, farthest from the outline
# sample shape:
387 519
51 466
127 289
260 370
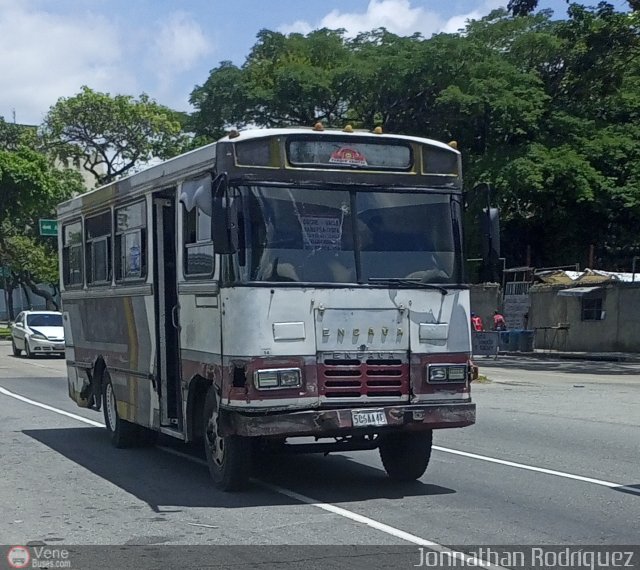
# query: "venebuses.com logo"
18 557
38 557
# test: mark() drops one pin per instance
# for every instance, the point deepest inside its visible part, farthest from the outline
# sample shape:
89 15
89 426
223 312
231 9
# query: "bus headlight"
447 373
289 378
457 373
277 378
437 373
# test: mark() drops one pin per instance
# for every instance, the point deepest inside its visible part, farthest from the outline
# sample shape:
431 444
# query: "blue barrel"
525 341
514 340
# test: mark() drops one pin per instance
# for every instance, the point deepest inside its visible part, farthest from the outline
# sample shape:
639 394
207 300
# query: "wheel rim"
215 443
110 405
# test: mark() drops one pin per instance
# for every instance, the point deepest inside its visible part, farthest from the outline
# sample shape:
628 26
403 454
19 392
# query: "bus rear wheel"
122 433
405 456
228 457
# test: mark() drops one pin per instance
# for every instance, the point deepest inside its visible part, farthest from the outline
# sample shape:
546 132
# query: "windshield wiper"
406 283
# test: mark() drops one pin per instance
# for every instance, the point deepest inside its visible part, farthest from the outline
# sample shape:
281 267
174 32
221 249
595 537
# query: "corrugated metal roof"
579 291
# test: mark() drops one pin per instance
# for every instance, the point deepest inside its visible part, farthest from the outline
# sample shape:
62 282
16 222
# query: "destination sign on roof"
350 154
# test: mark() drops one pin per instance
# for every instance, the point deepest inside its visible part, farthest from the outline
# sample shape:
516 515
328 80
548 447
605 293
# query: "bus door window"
131 242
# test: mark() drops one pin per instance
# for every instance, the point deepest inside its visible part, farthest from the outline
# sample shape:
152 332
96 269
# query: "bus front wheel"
228 457
405 456
122 433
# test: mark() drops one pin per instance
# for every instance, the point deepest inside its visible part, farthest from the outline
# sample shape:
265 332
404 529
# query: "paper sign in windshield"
348 156
321 232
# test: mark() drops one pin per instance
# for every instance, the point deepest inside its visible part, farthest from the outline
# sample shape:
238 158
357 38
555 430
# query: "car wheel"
15 349
122 433
27 350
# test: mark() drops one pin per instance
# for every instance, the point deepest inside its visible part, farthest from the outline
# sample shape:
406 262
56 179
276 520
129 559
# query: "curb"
597 357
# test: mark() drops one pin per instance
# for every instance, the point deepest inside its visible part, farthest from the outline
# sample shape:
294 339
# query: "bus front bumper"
340 422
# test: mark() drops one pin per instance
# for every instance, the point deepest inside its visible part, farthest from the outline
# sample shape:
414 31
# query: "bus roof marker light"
234 134
454 144
348 129
318 126
378 130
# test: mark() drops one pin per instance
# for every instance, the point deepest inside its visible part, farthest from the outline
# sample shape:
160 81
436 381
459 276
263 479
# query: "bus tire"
228 457
406 455
122 433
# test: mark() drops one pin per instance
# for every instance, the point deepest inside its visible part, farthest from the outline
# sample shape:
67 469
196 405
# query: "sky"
50 48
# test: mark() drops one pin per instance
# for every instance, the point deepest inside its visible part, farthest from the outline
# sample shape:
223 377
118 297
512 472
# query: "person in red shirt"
476 323
499 324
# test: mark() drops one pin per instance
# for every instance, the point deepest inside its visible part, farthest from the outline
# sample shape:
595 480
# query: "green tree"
109 135
547 111
31 261
30 188
526 7
221 103
286 80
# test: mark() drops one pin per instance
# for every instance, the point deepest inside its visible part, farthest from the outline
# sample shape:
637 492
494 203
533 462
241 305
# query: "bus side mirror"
490 232
224 221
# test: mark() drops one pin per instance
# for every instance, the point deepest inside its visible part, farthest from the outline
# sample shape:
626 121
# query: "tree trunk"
10 285
26 294
51 302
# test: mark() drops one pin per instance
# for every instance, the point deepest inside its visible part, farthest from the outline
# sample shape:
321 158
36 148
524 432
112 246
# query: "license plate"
368 418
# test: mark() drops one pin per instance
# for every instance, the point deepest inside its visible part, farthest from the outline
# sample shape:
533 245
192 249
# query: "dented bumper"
340 422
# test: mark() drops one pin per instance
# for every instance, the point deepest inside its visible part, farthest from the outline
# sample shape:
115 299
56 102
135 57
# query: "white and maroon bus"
280 290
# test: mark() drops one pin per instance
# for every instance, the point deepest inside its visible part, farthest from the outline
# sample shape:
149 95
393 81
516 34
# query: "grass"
482 379
5 333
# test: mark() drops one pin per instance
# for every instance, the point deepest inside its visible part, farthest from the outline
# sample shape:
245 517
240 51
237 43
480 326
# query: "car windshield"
348 236
44 320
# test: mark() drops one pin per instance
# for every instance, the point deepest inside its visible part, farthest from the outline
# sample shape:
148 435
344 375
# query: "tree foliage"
30 188
109 135
546 110
526 7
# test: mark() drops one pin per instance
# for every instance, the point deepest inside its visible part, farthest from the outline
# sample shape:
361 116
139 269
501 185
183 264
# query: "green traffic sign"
48 227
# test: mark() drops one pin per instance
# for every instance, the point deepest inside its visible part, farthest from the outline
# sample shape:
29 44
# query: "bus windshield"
348 235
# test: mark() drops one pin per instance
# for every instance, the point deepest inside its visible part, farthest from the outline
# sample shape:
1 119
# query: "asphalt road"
552 460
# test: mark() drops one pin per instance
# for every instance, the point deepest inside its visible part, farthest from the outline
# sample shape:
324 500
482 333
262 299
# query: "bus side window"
72 267
131 242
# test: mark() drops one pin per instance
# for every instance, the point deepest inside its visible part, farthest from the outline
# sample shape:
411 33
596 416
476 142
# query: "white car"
38 332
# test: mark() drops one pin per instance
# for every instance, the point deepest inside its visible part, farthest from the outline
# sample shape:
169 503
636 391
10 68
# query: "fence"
491 343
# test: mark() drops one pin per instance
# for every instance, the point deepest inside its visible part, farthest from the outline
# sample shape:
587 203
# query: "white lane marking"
354 516
601 482
392 531
49 408
202 525
451 554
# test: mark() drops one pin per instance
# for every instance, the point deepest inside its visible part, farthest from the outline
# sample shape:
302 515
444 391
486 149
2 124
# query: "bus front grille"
363 378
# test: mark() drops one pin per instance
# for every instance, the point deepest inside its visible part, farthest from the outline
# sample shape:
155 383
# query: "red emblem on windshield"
347 155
